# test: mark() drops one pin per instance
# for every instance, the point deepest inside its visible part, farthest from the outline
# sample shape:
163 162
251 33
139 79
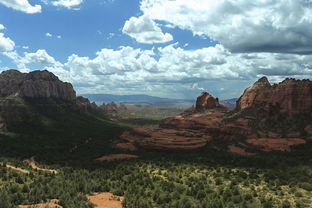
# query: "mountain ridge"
135 98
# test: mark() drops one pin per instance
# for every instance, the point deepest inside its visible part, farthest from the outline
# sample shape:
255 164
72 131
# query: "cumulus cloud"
48 34
176 70
6 44
69 4
144 30
21 5
242 26
169 70
2 27
39 57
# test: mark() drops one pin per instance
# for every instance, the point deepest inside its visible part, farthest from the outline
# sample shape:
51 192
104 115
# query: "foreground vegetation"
199 179
70 143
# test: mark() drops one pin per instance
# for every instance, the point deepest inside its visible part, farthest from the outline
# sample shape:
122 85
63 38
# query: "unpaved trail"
32 163
16 168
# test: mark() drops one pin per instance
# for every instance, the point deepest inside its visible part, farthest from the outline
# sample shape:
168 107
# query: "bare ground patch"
51 204
116 157
105 200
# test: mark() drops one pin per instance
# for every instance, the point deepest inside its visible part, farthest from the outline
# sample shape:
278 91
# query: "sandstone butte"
36 84
254 125
19 90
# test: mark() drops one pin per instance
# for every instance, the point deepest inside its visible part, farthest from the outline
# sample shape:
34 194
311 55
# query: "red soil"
105 200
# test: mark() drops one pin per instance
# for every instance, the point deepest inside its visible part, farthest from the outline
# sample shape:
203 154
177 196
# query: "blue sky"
167 48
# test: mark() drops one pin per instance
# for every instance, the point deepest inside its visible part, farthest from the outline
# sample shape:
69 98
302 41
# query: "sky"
165 48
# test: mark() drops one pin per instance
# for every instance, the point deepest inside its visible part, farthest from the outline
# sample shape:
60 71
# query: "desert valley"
155 104
61 150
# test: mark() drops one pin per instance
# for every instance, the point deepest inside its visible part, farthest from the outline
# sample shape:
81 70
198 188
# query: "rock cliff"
25 96
290 96
36 84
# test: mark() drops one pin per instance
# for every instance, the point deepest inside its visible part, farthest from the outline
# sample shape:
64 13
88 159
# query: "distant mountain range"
229 103
107 98
232 100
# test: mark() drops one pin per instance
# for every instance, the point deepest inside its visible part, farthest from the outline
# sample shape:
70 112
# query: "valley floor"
66 171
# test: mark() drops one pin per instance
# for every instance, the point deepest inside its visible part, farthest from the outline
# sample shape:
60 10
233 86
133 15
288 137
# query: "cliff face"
36 84
290 96
25 96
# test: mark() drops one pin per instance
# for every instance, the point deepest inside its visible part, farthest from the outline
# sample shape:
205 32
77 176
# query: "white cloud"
25 47
48 34
169 71
6 44
22 5
2 27
144 30
39 57
69 4
243 25
176 71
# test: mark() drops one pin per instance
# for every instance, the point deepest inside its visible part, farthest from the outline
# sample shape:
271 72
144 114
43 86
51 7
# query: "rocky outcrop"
35 85
44 84
263 121
84 104
206 101
113 109
290 96
10 82
24 97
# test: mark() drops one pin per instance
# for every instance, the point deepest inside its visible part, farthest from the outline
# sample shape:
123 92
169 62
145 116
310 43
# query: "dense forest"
201 179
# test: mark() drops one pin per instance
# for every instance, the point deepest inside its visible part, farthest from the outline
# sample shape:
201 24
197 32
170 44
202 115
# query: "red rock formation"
206 101
42 89
275 144
255 93
36 84
44 84
243 131
290 96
